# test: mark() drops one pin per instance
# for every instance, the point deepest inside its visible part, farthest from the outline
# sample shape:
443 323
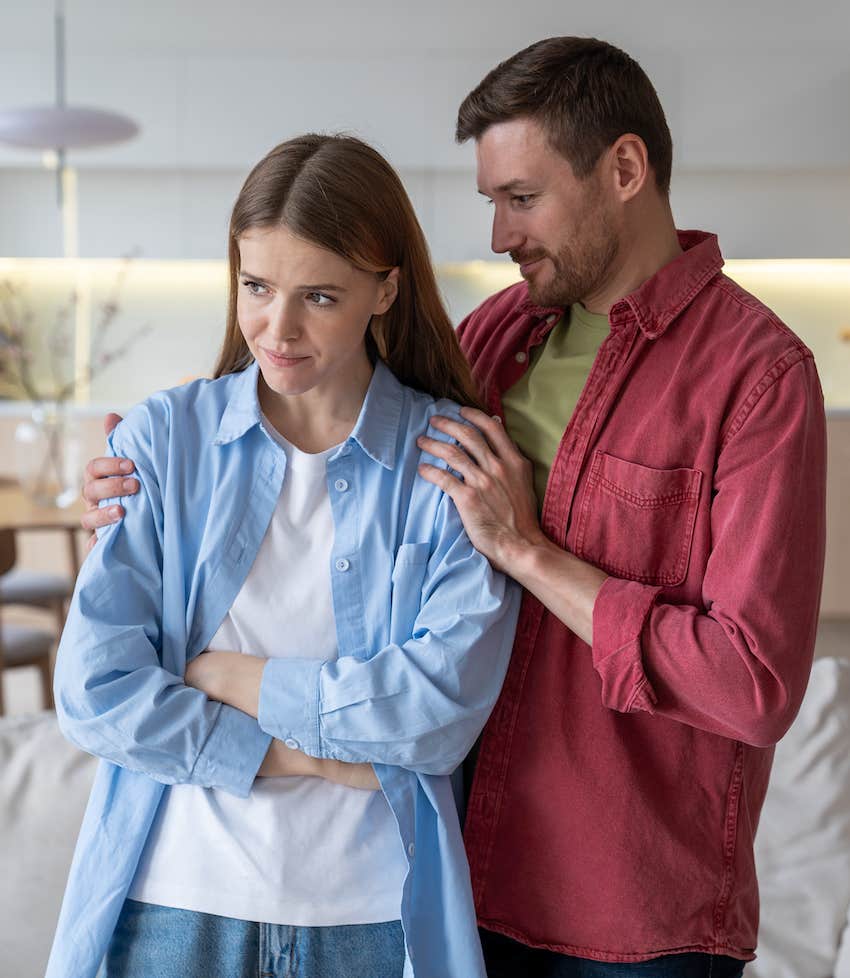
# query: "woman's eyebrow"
253 278
322 287
308 286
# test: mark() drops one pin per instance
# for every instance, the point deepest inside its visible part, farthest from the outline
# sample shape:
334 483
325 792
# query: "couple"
295 635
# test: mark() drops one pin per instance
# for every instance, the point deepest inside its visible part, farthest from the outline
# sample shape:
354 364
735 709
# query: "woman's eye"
255 288
319 299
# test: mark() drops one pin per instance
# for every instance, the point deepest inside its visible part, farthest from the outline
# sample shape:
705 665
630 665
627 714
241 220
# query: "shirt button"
342 565
341 485
292 743
411 850
521 357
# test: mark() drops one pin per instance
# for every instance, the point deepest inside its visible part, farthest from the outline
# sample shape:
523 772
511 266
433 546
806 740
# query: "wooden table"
19 512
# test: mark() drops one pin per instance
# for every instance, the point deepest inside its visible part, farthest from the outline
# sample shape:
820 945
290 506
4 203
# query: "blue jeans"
509 959
160 942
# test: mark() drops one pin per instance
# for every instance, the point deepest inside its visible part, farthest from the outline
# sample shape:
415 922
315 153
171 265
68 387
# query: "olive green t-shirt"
540 404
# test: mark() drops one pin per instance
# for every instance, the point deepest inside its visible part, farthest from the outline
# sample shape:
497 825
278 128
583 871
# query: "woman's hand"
281 762
229 677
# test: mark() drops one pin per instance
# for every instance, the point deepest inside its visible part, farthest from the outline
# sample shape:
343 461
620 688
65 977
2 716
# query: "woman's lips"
283 360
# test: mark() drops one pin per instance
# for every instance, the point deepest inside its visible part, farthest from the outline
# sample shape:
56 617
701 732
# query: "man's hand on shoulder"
105 478
496 497
498 508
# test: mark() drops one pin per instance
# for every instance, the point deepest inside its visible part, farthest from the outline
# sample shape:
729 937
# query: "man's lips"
527 266
527 262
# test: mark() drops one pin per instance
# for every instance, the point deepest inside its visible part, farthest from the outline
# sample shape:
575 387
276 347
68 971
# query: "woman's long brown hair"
340 194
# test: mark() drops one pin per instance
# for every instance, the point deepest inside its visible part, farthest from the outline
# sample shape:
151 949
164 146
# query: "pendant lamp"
61 127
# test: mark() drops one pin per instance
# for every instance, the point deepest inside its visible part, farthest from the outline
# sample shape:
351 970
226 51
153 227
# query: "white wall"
756 96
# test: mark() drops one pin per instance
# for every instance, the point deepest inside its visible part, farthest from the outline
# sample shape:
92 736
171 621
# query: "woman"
289 643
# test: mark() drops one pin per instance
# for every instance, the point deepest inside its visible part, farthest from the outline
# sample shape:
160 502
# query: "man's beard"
578 272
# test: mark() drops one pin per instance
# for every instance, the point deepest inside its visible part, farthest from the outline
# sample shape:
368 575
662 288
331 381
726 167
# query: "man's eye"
522 199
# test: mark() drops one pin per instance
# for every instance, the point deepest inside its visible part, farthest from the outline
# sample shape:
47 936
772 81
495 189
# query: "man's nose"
506 235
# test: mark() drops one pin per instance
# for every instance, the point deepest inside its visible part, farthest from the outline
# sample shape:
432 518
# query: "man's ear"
629 166
388 292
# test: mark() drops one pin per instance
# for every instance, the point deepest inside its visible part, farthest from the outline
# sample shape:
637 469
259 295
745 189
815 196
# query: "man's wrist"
525 560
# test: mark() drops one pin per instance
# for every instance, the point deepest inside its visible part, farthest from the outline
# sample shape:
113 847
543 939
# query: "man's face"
562 231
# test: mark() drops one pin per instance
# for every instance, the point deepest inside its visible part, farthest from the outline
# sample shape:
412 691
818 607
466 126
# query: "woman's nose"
284 323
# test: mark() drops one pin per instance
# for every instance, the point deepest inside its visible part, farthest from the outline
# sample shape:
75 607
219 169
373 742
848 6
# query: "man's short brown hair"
585 94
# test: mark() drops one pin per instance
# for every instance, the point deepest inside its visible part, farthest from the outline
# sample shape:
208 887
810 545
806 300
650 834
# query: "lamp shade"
63 127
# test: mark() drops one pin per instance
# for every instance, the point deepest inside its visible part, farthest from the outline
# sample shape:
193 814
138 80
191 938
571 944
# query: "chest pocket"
636 522
411 563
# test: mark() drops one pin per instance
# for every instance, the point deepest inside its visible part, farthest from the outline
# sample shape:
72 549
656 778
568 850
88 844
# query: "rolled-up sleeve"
114 697
736 665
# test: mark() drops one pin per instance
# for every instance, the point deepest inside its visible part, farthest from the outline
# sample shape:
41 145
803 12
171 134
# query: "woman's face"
304 312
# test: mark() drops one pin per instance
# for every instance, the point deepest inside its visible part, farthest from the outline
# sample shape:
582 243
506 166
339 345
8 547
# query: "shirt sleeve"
114 698
420 703
737 665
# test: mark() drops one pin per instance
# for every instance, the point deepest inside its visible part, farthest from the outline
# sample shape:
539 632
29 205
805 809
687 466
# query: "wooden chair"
23 645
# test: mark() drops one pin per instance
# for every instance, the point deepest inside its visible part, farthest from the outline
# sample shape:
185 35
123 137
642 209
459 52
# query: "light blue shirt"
424 626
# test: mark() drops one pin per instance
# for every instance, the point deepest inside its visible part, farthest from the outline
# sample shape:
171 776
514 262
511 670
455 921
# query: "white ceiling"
345 26
745 83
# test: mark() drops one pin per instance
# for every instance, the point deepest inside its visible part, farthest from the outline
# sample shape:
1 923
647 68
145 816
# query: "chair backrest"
8 552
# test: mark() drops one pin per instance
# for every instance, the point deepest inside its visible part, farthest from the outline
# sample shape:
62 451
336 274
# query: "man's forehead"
513 157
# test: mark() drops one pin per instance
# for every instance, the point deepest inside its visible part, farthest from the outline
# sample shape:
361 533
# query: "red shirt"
618 787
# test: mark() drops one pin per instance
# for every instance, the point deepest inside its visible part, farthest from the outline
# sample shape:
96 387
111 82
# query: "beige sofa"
803 843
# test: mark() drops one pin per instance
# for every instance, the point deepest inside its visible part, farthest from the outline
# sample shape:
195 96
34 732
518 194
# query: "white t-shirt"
299 851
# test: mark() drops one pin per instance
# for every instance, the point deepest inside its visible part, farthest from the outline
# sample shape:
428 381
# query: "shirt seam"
770 377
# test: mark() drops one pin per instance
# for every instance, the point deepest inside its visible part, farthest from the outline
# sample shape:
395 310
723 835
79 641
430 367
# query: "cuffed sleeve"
232 754
289 703
619 614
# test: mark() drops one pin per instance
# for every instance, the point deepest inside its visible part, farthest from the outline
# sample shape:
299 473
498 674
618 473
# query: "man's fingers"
97 489
93 518
473 442
111 421
493 430
454 456
451 485
108 465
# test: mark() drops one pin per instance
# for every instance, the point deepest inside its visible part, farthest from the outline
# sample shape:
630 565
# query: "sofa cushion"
44 787
803 840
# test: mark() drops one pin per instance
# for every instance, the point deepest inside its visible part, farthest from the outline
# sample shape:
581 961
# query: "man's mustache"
525 258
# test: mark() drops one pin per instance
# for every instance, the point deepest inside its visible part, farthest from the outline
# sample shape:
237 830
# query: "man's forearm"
567 586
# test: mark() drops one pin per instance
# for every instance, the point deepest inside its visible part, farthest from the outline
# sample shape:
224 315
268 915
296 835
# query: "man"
664 510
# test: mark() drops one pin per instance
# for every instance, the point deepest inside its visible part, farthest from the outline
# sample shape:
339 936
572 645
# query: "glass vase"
48 455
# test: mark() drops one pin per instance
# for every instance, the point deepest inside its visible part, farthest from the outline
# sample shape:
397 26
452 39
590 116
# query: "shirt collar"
243 406
375 431
656 303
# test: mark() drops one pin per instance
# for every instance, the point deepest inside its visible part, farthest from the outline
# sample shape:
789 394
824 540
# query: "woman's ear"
387 292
